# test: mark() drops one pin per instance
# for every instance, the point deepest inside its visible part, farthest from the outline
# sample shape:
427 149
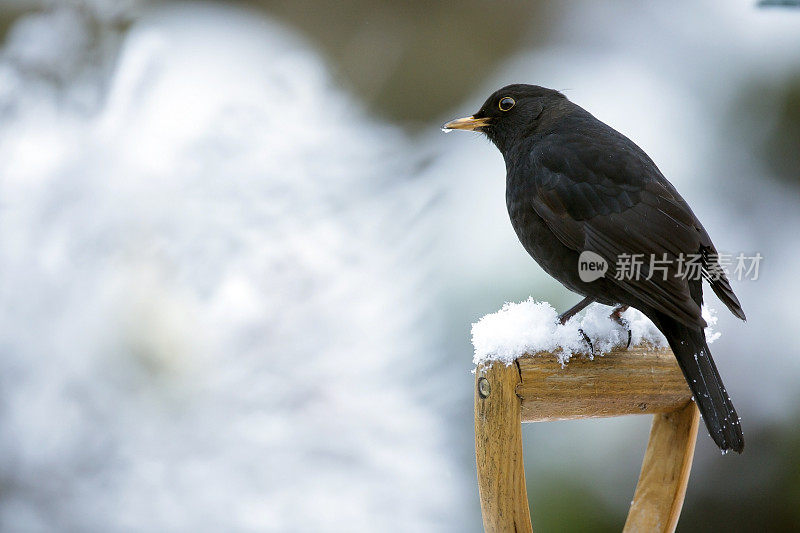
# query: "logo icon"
591 266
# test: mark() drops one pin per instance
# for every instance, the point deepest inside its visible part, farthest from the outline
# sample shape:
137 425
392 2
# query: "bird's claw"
616 316
588 341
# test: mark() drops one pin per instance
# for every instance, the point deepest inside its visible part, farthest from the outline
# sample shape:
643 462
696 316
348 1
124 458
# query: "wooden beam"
639 380
498 450
657 503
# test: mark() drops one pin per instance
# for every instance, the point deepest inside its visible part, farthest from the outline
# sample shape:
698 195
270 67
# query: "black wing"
602 193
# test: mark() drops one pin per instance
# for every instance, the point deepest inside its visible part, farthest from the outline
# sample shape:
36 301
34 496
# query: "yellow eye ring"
506 103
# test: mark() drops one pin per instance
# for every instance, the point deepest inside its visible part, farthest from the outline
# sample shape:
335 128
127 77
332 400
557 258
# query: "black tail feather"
722 288
719 282
690 348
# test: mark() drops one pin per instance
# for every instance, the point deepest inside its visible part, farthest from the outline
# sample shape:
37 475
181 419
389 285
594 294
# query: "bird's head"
512 113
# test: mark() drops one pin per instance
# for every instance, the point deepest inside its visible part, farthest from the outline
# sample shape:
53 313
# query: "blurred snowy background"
239 262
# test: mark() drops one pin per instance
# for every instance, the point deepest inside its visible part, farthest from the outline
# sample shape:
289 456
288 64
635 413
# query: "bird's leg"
616 316
574 310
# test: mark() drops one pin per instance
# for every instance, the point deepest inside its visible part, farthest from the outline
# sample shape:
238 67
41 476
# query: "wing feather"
616 205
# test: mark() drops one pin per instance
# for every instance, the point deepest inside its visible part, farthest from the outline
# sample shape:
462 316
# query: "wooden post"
537 389
667 461
498 450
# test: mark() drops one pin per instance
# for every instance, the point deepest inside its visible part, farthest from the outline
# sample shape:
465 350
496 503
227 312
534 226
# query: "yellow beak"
466 123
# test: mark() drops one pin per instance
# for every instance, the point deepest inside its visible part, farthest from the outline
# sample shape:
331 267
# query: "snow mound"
532 327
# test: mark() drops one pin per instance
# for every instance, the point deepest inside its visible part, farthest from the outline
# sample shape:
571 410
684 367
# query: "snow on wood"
532 327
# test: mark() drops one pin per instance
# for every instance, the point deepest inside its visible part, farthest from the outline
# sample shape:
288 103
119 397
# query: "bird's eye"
506 103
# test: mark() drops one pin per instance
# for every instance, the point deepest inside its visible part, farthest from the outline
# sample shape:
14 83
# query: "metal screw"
484 388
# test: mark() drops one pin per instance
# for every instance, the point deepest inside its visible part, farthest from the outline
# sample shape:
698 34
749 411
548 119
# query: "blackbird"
575 186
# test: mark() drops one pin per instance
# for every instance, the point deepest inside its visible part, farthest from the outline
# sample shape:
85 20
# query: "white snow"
710 315
532 327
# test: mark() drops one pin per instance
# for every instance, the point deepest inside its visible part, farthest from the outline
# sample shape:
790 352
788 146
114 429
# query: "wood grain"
667 461
537 388
498 450
640 380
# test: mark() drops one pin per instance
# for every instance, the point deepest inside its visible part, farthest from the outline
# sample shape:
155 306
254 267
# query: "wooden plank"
639 380
662 482
498 450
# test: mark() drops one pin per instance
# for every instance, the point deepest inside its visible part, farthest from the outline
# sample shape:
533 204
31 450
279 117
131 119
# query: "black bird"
573 185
